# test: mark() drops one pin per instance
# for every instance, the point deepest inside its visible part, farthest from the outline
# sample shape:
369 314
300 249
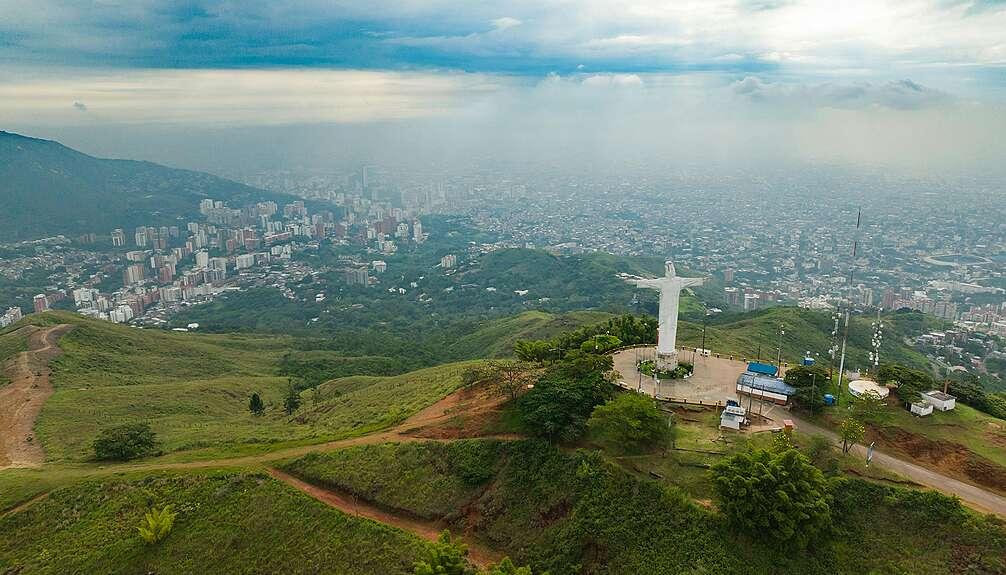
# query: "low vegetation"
194 392
225 523
12 342
574 512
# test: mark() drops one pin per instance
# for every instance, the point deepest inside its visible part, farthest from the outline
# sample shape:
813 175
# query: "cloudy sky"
911 84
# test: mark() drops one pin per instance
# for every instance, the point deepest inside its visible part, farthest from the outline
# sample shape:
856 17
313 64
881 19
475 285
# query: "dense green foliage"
810 383
226 523
447 556
911 382
969 390
629 423
125 442
558 406
773 494
572 512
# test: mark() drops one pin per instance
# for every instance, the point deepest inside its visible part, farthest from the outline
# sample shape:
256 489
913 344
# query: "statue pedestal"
667 361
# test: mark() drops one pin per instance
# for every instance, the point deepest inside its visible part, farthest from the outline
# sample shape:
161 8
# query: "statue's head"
669 269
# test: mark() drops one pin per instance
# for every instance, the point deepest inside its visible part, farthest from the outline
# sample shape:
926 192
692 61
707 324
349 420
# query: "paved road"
974 496
714 380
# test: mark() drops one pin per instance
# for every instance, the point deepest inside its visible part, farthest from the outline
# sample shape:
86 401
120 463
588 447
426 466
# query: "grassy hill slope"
496 337
50 189
577 513
808 330
12 342
194 389
227 523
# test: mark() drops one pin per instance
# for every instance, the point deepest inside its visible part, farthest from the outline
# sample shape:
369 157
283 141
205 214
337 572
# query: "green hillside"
497 337
194 389
12 342
574 512
226 523
50 189
808 330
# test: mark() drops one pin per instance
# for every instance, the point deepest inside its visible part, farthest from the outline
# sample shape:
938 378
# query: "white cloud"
239 97
900 94
505 22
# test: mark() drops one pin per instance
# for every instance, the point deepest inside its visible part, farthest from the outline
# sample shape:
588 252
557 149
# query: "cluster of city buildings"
156 270
10 317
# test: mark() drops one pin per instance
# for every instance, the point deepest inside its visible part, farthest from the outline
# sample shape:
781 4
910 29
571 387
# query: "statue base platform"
667 361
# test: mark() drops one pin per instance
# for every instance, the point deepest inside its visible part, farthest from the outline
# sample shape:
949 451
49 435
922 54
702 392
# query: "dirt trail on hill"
22 399
426 425
351 505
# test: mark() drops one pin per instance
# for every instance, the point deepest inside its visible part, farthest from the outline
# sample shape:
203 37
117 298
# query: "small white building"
939 400
732 417
921 408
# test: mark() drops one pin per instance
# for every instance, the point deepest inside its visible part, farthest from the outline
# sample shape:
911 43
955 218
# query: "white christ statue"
670 287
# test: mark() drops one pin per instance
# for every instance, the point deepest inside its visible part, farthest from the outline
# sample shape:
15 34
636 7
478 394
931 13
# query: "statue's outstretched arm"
646 283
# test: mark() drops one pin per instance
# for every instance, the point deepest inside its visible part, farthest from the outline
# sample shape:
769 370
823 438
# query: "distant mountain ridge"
48 189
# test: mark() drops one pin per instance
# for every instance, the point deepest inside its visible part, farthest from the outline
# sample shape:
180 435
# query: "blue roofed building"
764 387
763 369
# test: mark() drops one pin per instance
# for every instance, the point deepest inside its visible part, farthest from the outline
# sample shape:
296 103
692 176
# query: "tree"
810 382
255 405
911 382
157 524
510 377
125 442
475 375
630 422
537 350
852 432
292 401
507 567
868 407
558 406
777 495
601 343
445 557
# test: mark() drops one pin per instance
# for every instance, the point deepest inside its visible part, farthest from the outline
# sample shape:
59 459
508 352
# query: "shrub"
445 557
507 567
776 495
255 404
157 524
631 422
125 442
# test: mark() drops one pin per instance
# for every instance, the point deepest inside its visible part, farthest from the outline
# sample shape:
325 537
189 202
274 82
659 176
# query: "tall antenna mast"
848 297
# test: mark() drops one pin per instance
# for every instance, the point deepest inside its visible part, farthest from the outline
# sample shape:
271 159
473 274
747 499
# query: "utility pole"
813 390
848 297
778 358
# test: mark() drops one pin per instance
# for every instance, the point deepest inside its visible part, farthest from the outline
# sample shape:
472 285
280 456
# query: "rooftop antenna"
848 297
